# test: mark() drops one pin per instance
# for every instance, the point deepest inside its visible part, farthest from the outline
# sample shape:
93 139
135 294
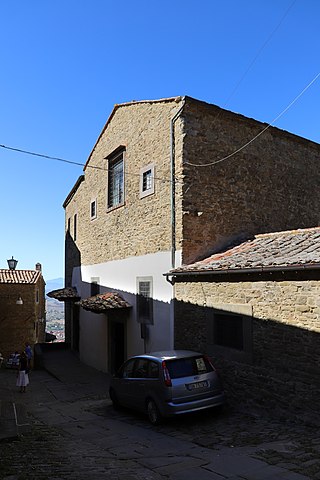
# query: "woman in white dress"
23 377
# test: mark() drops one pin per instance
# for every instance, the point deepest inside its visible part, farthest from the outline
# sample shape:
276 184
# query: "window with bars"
116 180
93 209
144 300
147 180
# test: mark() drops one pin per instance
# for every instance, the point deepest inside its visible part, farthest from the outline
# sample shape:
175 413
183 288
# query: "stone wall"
141 225
18 323
271 185
281 369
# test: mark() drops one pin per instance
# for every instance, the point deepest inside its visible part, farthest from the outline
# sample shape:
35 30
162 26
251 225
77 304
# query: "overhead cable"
96 167
260 133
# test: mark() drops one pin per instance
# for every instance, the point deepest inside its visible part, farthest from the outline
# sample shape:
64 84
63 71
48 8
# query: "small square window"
147 181
93 209
228 330
144 300
95 286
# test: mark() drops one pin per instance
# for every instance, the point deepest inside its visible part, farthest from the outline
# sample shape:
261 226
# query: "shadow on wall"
134 323
144 324
264 364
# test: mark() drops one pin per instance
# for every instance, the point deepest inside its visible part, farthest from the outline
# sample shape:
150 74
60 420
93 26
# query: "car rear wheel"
153 412
114 399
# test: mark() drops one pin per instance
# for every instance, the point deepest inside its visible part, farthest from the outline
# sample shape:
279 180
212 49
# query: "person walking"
22 376
28 352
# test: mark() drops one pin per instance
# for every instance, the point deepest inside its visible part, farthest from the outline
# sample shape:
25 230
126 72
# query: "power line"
96 167
188 163
260 133
258 53
41 155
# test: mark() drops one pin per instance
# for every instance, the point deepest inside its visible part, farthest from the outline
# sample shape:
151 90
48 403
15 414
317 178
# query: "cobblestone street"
279 442
73 432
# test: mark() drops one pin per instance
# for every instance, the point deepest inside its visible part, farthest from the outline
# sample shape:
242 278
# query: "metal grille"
93 209
145 303
115 182
147 180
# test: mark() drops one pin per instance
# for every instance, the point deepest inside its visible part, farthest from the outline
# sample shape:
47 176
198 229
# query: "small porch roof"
103 302
64 294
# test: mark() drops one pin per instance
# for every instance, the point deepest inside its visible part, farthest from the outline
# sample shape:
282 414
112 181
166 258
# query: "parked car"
163 384
13 361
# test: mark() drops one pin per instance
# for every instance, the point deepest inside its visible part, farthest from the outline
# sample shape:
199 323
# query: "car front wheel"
153 412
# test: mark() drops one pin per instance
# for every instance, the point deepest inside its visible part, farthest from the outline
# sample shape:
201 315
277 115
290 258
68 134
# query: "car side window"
153 370
127 370
141 368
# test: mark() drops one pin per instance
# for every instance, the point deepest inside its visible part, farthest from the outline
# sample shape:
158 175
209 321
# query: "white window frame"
145 192
149 280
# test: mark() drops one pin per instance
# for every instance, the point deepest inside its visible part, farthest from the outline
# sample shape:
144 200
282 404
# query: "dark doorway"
116 344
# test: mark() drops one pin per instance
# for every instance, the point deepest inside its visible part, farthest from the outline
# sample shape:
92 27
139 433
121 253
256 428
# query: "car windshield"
187 367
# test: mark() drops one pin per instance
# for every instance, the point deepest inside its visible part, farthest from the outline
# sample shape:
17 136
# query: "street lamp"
12 263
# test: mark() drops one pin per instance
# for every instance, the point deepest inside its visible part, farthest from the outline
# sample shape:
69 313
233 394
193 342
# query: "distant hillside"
54 284
54 307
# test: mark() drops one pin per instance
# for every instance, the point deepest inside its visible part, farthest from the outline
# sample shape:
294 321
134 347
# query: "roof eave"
237 271
126 104
73 191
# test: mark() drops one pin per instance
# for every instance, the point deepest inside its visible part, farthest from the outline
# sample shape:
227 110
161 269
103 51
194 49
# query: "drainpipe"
173 215
173 185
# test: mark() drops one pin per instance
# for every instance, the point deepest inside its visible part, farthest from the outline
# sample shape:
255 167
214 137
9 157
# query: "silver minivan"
163 384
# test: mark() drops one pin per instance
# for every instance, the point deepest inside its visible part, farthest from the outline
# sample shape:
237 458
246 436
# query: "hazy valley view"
55 311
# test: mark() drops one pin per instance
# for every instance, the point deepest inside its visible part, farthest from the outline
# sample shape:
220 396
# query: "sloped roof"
104 301
19 276
63 294
295 249
126 104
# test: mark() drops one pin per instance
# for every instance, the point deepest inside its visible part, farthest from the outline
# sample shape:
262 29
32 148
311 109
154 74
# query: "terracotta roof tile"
63 294
19 276
103 302
281 249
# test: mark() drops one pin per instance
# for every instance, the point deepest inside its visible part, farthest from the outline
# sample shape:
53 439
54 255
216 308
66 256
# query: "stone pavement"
64 427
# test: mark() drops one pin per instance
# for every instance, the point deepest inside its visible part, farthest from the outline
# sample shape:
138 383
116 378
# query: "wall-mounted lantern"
19 301
12 263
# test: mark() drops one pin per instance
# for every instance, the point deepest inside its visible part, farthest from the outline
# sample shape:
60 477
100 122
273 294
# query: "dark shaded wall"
280 367
21 323
72 260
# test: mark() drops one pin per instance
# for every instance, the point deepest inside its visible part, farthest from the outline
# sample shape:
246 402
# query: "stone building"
22 309
255 308
155 194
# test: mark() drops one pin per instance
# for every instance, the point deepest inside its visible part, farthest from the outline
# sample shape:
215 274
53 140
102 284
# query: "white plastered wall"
121 276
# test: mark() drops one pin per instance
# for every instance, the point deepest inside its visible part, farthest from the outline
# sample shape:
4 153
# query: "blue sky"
64 64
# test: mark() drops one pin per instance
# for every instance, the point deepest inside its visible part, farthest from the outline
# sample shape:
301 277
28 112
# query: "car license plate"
197 385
